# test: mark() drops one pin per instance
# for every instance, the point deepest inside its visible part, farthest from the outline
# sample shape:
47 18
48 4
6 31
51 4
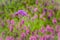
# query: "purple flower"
23 35
54 20
33 38
50 29
37 36
52 1
45 10
47 37
1 38
27 32
50 13
21 12
58 35
57 28
12 22
36 1
2 24
42 30
9 38
35 9
11 28
41 38
22 21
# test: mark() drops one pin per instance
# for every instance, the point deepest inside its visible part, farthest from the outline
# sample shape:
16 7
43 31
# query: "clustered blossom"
33 38
1 38
21 12
33 23
9 38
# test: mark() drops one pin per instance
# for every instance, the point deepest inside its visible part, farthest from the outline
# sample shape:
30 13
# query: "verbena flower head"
21 12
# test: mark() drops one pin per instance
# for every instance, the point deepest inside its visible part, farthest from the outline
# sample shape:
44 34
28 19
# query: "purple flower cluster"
21 12
41 25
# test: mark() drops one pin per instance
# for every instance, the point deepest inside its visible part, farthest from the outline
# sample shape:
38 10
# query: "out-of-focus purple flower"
41 16
21 12
1 38
36 2
41 38
22 21
57 28
35 9
8 22
33 38
45 4
24 27
11 28
37 36
52 1
2 24
58 35
50 13
43 13
44 19
34 17
43 30
27 32
45 10
50 29
46 37
3 34
9 38
54 20
12 22
23 35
